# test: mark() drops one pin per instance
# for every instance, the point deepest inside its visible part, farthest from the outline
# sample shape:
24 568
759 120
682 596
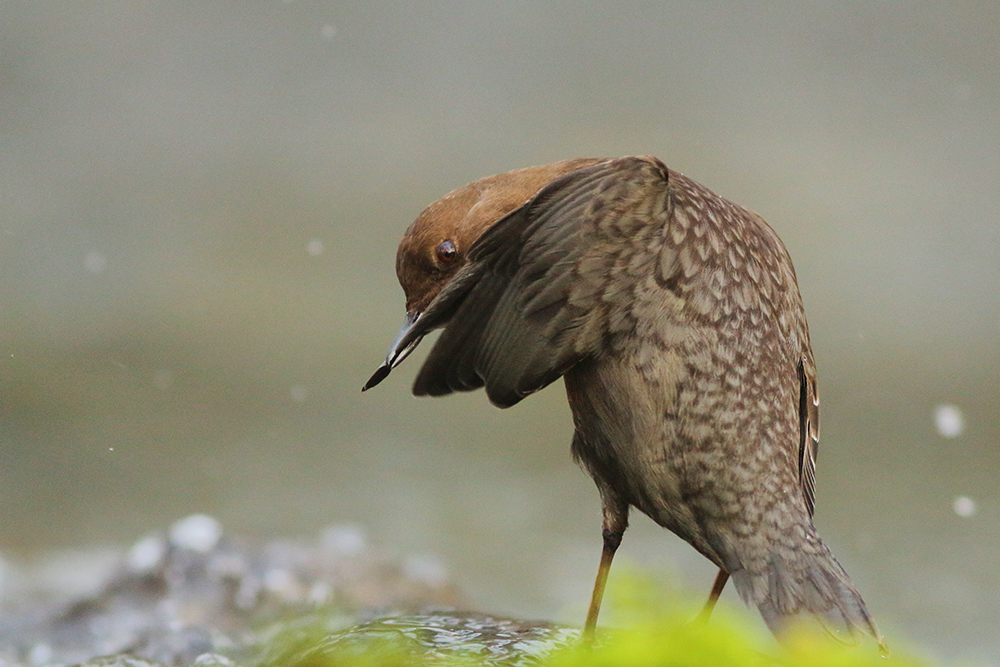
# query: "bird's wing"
808 430
533 299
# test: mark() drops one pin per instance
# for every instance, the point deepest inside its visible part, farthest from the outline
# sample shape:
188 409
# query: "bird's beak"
396 353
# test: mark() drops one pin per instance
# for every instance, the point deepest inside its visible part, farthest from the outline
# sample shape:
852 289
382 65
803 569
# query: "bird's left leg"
613 527
713 597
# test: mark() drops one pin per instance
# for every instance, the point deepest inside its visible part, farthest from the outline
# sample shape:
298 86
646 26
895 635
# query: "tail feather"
807 588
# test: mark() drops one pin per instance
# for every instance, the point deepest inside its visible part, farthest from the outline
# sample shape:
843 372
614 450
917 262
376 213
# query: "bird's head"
436 245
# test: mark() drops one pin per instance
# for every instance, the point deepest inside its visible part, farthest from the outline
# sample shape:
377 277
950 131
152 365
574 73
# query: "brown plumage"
675 319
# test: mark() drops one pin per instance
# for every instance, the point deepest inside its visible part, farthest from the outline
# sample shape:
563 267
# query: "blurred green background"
199 211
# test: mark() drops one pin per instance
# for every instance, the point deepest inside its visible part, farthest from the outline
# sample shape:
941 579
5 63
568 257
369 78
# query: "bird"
675 319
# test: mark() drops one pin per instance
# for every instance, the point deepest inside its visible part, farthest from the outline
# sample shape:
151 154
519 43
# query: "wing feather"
808 430
509 320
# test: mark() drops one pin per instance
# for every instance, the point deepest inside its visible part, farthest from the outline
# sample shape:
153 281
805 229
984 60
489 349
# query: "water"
197 233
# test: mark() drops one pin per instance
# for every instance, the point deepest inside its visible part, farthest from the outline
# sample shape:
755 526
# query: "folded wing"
530 304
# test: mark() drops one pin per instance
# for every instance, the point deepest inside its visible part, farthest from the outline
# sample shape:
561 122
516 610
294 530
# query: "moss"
653 628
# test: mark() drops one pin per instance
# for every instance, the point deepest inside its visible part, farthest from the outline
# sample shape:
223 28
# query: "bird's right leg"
613 527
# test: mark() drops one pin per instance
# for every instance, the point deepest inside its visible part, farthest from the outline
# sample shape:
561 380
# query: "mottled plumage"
675 319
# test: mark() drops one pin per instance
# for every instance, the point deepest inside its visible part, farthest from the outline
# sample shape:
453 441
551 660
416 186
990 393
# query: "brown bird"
675 319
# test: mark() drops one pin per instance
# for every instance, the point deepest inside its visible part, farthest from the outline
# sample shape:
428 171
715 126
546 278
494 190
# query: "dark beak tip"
380 374
396 353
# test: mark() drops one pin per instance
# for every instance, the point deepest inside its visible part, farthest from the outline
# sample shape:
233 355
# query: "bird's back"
691 408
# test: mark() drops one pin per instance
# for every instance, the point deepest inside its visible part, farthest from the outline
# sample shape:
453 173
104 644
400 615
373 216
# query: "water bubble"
329 31
964 506
299 393
949 421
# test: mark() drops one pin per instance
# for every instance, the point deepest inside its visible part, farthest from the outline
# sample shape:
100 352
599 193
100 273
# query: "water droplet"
949 421
299 393
964 506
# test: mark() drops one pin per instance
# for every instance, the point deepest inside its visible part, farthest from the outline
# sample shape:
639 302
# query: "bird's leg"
615 522
611 542
713 597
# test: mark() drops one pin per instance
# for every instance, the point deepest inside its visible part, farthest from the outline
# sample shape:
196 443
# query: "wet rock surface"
195 595
481 638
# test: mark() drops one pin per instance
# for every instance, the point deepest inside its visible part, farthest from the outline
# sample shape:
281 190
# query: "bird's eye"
446 252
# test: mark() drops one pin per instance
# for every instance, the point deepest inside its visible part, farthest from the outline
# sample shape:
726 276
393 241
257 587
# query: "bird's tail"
805 587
